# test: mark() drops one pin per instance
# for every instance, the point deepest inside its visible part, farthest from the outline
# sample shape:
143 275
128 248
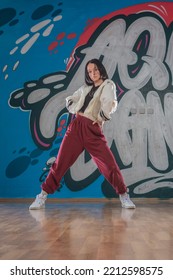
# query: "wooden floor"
87 230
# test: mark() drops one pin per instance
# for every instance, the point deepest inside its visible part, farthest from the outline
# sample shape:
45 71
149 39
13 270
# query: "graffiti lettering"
138 60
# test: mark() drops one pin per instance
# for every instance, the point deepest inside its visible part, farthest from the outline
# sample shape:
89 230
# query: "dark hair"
101 69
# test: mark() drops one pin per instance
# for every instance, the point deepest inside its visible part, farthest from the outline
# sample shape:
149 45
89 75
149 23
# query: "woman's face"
94 73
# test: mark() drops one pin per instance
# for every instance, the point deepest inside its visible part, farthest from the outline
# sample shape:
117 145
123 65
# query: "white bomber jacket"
102 105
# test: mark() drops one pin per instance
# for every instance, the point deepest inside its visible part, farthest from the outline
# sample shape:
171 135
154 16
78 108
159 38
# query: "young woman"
93 103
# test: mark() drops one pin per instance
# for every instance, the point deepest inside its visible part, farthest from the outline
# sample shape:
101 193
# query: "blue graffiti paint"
42 12
6 15
17 166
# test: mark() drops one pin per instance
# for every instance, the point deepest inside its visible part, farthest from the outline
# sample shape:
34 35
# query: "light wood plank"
86 229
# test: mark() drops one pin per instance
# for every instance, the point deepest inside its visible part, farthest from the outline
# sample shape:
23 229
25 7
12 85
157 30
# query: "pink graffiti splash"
121 91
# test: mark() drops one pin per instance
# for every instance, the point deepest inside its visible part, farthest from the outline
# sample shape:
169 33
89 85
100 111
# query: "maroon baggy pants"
83 134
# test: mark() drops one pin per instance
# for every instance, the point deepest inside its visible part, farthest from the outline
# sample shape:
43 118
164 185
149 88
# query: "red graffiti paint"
61 126
60 36
71 36
59 41
163 9
52 46
90 22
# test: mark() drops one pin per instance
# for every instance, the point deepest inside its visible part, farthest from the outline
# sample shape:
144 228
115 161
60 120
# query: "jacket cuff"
103 116
69 102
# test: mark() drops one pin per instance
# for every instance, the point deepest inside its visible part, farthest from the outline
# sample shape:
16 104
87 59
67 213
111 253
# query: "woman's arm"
73 99
108 101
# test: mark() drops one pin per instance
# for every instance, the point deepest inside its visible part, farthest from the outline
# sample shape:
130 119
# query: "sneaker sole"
36 208
128 207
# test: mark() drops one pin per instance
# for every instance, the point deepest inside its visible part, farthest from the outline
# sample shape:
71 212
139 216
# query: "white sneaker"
126 201
39 202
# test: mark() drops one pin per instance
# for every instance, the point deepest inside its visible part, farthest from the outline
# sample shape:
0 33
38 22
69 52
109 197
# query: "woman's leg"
71 147
97 146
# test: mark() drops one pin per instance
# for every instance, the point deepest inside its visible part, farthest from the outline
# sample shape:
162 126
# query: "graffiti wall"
44 46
